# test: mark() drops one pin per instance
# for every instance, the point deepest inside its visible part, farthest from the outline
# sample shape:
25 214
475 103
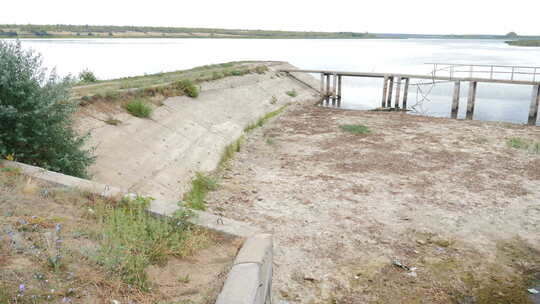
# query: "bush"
35 115
87 76
292 93
187 87
139 108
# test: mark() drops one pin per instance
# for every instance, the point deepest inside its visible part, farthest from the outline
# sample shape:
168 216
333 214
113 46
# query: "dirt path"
447 197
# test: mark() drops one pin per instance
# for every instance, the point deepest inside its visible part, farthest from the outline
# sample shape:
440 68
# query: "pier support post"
533 109
384 92
390 89
405 94
334 89
398 92
455 99
472 99
339 87
322 85
327 93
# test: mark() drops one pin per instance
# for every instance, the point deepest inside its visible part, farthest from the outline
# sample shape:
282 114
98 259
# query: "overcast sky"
390 16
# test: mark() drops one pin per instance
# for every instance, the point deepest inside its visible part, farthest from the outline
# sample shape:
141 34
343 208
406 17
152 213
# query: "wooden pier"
331 82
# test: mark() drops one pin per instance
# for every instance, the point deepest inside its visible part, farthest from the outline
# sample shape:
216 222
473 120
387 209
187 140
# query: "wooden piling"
385 91
455 99
327 93
334 89
322 85
390 88
405 93
533 109
339 87
472 99
398 92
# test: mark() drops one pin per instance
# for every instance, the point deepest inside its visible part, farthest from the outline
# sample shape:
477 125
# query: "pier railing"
484 71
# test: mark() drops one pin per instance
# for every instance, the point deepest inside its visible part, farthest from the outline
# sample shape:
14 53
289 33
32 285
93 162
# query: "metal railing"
484 71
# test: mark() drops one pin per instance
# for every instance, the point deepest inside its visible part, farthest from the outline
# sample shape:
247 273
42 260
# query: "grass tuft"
113 121
517 143
139 108
292 93
188 87
200 186
261 121
355 129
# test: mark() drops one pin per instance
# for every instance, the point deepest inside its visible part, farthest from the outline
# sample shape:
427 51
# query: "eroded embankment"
159 156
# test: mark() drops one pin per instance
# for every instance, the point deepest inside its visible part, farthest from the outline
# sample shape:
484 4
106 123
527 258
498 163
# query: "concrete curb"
250 279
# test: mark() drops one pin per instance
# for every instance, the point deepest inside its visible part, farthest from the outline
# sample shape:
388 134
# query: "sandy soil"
446 198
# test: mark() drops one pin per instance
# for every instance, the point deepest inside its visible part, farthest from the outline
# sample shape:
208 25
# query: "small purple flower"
34 217
22 288
66 300
11 234
58 227
58 243
23 222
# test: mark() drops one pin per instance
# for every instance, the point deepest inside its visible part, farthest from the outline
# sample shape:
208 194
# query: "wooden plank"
398 92
455 99
385 91
472 99
533 109
390 89
405 94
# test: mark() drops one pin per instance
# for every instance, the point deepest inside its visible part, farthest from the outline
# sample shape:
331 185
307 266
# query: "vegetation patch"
522 144
61 245
113 121
187 87
292 93
200 186
36 115
262 120
87 76
139 108
355 129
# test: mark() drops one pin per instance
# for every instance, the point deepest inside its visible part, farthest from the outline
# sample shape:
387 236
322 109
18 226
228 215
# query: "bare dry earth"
445 196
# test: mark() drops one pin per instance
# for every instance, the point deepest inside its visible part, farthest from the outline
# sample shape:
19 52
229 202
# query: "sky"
390 16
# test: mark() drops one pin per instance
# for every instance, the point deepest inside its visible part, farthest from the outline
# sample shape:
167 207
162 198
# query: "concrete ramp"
160 156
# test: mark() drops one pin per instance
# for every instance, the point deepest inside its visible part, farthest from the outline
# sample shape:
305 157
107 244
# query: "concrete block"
242 285
256 249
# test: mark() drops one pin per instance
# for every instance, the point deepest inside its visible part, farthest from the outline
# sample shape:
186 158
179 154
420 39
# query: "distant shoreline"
525 43
104 31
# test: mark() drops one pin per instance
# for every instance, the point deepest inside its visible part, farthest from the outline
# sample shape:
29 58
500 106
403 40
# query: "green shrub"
139 108
87 76
187 87
36 115
355 129
517 143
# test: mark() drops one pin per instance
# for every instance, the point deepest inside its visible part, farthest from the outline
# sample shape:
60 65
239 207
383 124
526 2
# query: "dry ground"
29 215
447 198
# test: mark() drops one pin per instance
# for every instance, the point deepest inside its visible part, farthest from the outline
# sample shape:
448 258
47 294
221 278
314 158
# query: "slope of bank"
161 155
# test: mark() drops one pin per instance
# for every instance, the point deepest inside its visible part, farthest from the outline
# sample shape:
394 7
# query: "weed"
536 148
200 186
187 87
273 100
355 129
270 141
113 121
184 279
139 108
261 121
229 151
133 239
261 69
292 93
517 143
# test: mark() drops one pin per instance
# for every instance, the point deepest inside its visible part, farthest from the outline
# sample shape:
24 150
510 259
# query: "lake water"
113 58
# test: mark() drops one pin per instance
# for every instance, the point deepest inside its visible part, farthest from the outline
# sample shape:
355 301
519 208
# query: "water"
114 58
